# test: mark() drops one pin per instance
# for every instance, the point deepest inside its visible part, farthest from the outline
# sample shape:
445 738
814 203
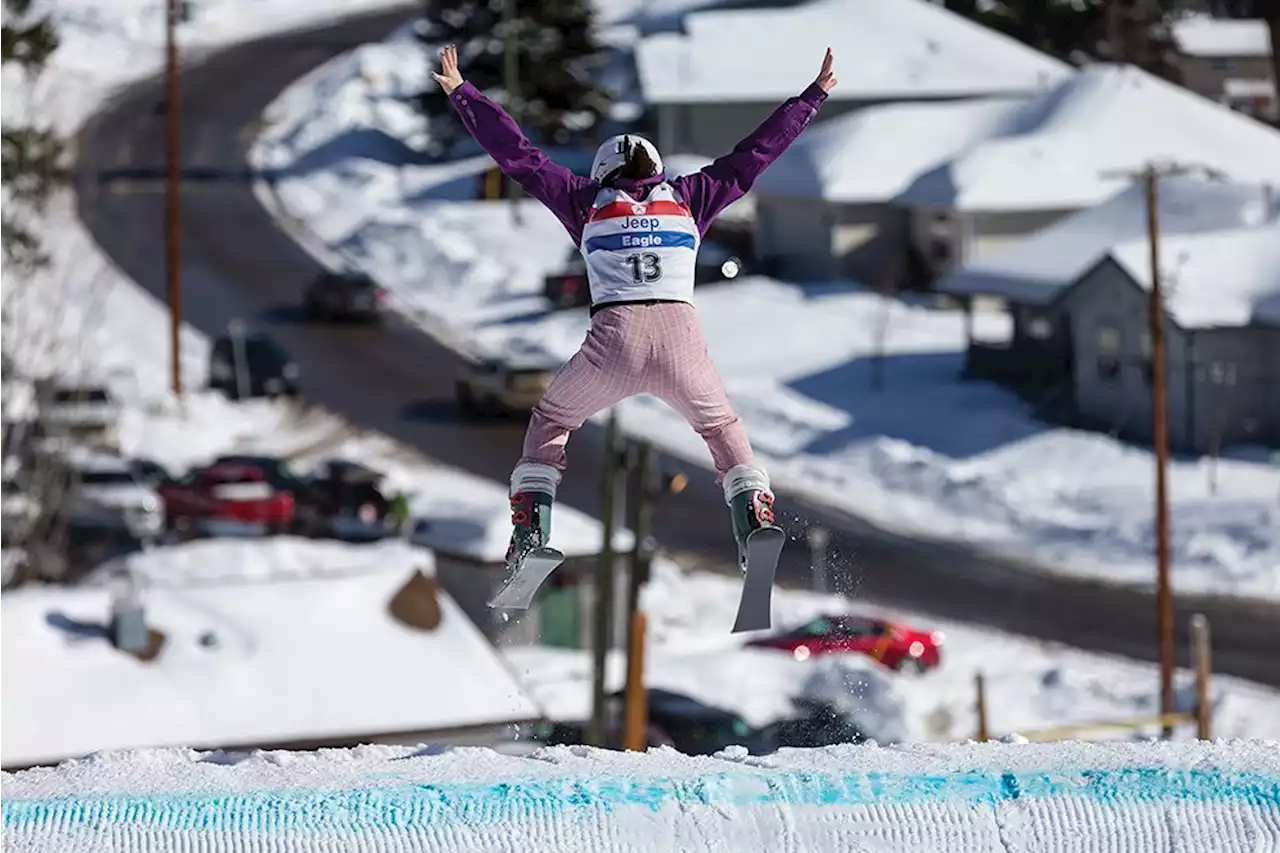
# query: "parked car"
689 725
251 365
20 511
896 646
493 386
348 501
227 498
106 487
344 296
569 289
816 723
84 413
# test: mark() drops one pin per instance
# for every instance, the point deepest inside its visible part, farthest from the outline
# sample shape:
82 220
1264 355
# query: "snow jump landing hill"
977 797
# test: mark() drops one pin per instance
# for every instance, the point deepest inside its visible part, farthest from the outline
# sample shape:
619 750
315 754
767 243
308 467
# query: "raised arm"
715 187
564 193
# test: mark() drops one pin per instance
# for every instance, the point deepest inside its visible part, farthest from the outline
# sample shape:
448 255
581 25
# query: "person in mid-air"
639 232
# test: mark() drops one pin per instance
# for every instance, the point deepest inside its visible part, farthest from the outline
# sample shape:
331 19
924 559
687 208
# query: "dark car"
569 289
251 365
816 723
344 296
677 720
345 500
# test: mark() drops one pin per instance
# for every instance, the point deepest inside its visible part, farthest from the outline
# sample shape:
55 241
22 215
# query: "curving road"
238 263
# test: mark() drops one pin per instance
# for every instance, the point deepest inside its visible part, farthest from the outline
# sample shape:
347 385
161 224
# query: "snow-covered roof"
305 649
884 49
1201 35
1219 248
1054 152
875 153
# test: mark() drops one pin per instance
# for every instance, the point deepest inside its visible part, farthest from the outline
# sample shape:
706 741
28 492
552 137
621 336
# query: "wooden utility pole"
597 734
172 188
1202 661
1150 176
640 504
511 84
980 688
1160 440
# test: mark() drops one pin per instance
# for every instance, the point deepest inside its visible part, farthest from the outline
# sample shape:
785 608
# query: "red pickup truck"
230 495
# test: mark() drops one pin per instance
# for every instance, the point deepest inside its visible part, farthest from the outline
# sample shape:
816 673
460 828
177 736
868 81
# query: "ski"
522 586
755 607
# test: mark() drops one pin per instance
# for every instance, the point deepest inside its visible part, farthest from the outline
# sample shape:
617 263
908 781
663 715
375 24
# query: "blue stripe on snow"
405 806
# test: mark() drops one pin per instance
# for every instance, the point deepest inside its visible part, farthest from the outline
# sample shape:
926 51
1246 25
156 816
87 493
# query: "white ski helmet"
613 154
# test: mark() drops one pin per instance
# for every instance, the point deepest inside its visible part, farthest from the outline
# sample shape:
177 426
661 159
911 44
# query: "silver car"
108 486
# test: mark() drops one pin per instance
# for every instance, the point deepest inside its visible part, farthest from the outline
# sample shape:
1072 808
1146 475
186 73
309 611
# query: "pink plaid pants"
656 349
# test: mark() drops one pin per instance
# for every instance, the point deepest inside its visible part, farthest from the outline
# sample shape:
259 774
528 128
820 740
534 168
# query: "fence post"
1202 660
818 537
637 701
980 685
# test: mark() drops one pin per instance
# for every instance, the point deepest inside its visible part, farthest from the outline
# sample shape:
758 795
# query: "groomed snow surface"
927 455
976 798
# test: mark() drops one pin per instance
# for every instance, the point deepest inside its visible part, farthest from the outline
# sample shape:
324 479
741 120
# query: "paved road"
238 263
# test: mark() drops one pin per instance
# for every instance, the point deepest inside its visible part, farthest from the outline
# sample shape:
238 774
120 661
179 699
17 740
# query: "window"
1222 373
1039 328
1108 352
1221 63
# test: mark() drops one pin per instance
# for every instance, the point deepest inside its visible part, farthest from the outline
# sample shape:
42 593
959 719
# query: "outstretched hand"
449 77
826 77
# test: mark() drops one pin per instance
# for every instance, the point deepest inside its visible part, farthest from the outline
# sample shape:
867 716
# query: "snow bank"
976 797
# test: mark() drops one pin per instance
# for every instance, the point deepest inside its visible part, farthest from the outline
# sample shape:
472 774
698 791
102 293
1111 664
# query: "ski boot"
530 525
746 491
533 491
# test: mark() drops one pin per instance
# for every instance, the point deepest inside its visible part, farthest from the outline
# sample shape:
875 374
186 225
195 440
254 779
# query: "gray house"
1079 295
714 81
825 209
1070 149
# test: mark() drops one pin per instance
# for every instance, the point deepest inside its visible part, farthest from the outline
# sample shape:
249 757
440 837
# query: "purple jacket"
569 196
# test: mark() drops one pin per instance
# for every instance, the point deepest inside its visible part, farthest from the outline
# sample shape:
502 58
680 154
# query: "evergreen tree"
1080 31
557 57
31 155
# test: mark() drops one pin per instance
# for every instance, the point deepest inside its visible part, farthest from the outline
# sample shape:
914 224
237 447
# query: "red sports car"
896 646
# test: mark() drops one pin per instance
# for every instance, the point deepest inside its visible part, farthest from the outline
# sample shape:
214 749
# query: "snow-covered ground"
925 455
974 798
1030 685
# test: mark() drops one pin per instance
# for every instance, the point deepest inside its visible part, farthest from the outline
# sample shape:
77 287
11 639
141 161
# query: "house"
278 643
1229 60
1079 295
1069 149
825 209
714 82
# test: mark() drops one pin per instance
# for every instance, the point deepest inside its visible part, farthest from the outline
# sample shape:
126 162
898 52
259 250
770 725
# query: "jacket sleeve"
565 194
715 187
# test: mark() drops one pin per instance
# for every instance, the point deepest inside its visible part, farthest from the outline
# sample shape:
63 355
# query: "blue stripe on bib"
641 240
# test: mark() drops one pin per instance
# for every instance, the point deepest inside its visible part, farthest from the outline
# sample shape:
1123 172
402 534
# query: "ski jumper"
640 241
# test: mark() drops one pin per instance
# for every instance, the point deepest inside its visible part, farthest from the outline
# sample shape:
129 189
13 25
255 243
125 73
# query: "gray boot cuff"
535 477
744 478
